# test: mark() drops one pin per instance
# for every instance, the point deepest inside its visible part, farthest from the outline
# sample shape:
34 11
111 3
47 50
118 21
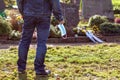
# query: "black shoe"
22 72
44 73
22 75
41 77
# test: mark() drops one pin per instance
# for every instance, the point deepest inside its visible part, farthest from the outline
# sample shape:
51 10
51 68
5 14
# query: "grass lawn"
88 62
116 2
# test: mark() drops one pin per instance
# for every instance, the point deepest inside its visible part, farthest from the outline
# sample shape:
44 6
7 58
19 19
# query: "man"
36 13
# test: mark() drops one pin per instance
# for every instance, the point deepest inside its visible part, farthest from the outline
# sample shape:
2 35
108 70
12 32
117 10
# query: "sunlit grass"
82 62
116 2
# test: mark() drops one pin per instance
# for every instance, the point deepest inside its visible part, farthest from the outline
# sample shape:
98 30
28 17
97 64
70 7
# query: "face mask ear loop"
64 37
63 31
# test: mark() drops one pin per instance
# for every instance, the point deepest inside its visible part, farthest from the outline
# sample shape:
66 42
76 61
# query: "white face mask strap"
64 37
63 31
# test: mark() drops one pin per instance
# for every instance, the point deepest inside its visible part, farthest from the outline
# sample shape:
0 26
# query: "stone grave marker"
2 5
71 14
99 7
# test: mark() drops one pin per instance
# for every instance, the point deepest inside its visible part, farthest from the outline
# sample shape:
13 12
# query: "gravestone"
71 14
2 5
76 2
99 7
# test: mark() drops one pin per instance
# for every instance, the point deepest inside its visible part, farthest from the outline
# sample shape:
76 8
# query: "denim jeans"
42 24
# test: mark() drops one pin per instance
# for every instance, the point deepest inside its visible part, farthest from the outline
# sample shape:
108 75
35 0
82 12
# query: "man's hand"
62 22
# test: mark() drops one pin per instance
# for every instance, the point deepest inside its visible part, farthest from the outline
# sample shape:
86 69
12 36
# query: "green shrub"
5 27
116 11
54 21
108 28
54 32
96 20
3 14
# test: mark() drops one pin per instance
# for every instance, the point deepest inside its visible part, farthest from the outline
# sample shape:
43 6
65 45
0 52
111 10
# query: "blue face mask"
63 31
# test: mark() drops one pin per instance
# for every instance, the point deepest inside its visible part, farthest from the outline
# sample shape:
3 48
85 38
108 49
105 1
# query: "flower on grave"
19 19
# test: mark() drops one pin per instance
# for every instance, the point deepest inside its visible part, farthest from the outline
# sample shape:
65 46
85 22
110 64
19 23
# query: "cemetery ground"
84 62
81 61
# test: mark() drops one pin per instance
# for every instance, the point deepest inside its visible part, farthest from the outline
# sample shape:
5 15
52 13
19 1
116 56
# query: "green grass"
116 6
116 2
88 62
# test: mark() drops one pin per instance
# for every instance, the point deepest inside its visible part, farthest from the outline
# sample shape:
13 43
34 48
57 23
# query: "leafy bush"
108 28
5 27
3 14
97 20
54 21
9 3
116 11
54 32
15 19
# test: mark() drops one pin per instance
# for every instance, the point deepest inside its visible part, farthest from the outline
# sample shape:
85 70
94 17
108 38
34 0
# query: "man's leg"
25 41
42 36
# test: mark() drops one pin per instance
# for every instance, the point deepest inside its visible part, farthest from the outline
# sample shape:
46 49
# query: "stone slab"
2 5
99 7
71 14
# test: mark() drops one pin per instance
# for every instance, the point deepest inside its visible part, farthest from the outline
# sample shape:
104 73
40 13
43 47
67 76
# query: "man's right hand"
62 22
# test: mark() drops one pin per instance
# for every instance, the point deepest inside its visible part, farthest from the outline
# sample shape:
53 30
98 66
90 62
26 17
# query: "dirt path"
33 45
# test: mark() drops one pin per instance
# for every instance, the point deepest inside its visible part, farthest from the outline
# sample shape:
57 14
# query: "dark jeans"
42 25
